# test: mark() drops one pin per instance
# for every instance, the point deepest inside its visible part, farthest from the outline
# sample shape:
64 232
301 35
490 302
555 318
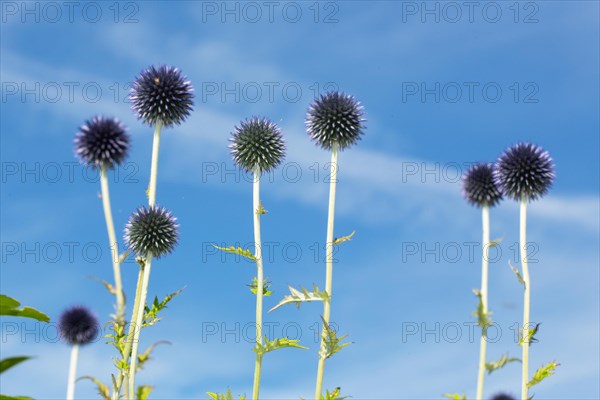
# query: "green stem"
485 243
129 340
526 300
112 238
328 269
72 372
259 281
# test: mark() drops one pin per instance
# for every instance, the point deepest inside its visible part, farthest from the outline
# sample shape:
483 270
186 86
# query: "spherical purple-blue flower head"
78 325
257 143
102 142
479 187
151 230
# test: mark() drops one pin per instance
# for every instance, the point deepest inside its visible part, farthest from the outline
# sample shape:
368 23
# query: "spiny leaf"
517 273
8 306
106 284
237 250
343 239
102 388
271 345
297 296
151 314
483 318
143 391
224 396
142 358
455 396
10 362
266 284
530 335
542 373
333 395
500 363
332 341
261 210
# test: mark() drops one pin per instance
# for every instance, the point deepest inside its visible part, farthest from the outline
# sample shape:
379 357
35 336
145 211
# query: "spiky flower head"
102 142
335 117
524 171
257 143
151 230
162 95
479 187
78 325
502 396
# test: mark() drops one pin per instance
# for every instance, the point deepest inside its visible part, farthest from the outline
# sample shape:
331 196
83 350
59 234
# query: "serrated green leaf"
500 363
145 356
10 362
237 250
8 306
530 335
303 295
332 341
483 318
333 395
224 396
151 313
143 391
103 390
266 284
517 273
542 373
455 396
272 345
343 239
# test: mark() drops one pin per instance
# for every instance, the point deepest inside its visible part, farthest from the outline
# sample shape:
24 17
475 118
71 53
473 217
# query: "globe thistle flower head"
335 117
162 95
502 396
151 230
257 143
78 325
524 171
479 187
102 142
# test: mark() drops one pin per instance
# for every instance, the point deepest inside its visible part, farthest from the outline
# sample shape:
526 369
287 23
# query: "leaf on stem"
530 335
455 396
143 391
10 362
517 273
495 242
224 396
333 395
483 318
109 287
542 373
151 314
103 390
254 285
272 345
343 239
302 295
332 341
9 306
5 397
261 210
500 363
237 250
142 358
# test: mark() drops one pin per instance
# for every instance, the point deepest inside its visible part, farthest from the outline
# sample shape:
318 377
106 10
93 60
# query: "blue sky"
441 89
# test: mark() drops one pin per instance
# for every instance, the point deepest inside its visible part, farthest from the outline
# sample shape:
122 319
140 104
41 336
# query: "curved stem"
72 372
485 243
328 269
259 281
114 249
526 300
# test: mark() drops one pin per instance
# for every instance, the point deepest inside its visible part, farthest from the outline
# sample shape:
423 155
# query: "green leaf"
495 242
483 318
5 397
297 296
266 284
237 250
542 373
500 363
142 358
8 306
103 390
109 287
455 396
333 395
261 210
530 335
151 313
343 239
271 345
332 341
143 391
517 273
224 396
10 362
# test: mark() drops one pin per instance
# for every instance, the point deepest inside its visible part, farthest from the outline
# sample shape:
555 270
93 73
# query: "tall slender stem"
114 249
72 372
526 300
259 281
328 268
485 243
154 165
